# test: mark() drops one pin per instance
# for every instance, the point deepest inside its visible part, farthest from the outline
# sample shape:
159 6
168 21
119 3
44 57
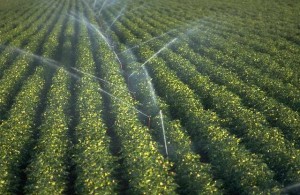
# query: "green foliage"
16 132
47 171
276 113
228 156
95 164
192 176
228 88
250 125
148 171
16 73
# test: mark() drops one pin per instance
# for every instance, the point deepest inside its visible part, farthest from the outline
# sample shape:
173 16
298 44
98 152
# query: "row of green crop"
279 49
25 22
17 131
14 20
95 165
208 30
288 117
13 76
286 93
47 171
93 159
241 170
251 126
276 113
19 128
276 89
146 169
244 16
204 125
9 53
242 120
282 116
239 35
191 175
19 12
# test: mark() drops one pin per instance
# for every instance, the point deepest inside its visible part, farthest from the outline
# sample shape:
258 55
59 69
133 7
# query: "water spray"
150 86
153 56
94 4
116 18
98 31
103 4
111 3
154 38
83 20
49 62
159 51
121 14
55 64
117 57
98 78
133 73
292 189
88 5
163 131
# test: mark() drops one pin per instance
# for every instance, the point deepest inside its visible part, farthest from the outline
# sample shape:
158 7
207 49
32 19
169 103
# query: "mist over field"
149 97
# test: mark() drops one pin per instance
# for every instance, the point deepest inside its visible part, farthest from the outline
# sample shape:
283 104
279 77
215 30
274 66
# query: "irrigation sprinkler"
149 122
151 86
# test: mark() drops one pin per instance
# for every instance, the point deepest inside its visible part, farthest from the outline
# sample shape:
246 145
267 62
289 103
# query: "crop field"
149 97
